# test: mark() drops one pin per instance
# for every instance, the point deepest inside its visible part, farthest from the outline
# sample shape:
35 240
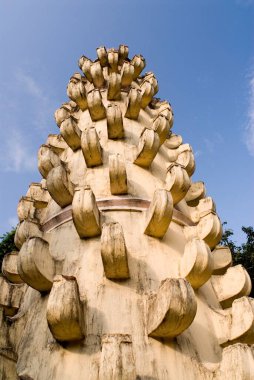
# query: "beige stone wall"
119 273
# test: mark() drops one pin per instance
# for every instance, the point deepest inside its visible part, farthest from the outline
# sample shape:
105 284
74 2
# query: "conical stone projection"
118 272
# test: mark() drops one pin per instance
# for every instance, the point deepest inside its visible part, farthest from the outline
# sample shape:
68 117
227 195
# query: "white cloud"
16 155
43 105
26 117
249 136
213 141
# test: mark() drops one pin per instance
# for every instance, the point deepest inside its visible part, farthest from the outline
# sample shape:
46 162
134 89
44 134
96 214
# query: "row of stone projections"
115 78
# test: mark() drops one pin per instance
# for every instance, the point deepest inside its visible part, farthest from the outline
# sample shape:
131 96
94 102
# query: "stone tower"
118 273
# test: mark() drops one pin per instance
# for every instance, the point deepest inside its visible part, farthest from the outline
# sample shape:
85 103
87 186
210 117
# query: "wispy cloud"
249 135
16 156
26 116
213 141
43 105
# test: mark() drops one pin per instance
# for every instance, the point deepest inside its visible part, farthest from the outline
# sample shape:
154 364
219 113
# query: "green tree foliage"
6 244
242 254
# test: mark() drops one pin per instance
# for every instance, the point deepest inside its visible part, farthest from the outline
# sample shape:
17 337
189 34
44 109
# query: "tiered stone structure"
118 273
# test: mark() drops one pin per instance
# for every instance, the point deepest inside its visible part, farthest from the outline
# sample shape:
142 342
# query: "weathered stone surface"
114 122
113 252
76 90
237 363
64 310
25 208
196 263
148 148
60 186
233 284
114 86
10 296
47 160
177 182
25 230
86 216
117 359
91 148
242 329
39 194
172 310
159 214
95 105
222 259
71 132
10 268
195 193
35 264
117 175
134 103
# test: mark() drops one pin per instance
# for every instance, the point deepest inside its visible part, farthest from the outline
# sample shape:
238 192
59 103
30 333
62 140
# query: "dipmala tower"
118 272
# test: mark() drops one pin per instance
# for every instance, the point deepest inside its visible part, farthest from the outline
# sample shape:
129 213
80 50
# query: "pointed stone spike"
56 143
209 229
65 111
61 114
161 125
10 268
147 92
85 65
196 263
60 186
35 264
172 310
76 91
39 195
102 55
242 329
114 86
64 310
113 252
123 52
25 230
113 59
47 160
133 103
233 284
97 74
86 216
127 74
25 208
91 148
117 359
10 297
186 158
71 133
195 193
148 147
159 214
222 259
173 141
114 122
117 175
95 105
150 77
139 64
177 182
237 363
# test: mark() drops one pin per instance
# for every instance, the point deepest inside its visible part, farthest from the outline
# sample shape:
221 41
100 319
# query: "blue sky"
202 52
